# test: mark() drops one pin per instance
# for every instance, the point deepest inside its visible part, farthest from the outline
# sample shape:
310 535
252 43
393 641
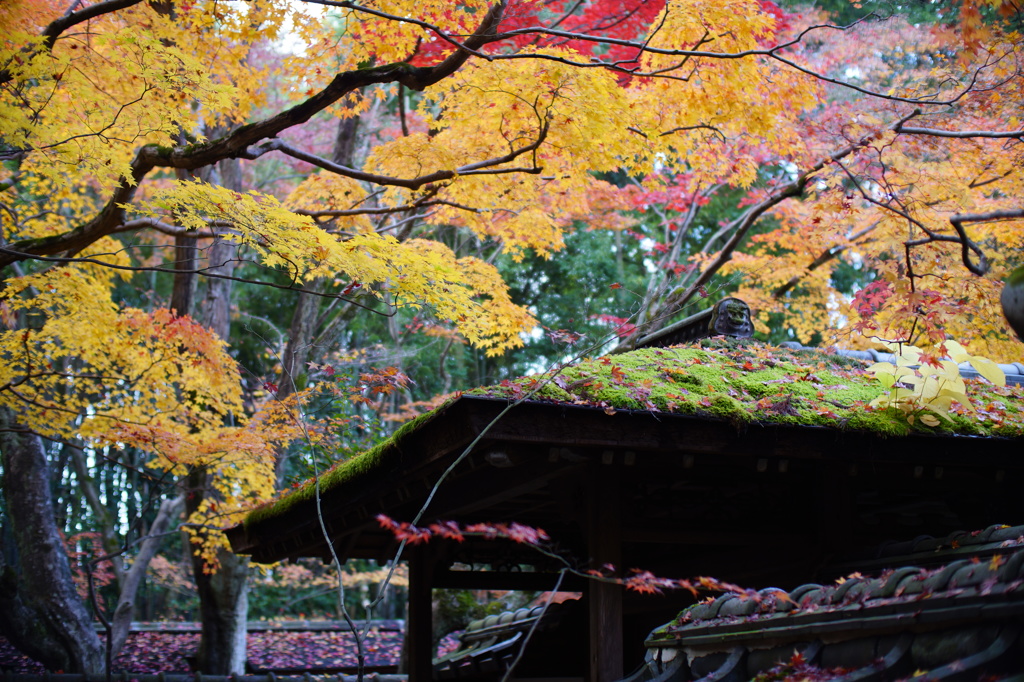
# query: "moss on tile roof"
736 380
746 381
377 460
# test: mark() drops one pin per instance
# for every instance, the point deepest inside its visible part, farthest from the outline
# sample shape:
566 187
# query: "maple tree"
137 137
910 196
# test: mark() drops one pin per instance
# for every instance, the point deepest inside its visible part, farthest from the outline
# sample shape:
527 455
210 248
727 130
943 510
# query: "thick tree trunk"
40 611
223 596
223 599
224 606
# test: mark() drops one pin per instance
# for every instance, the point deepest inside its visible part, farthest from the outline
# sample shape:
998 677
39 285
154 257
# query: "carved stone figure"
1013 301
731 317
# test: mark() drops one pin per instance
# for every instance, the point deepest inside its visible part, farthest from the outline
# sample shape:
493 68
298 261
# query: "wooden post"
604 542
418 630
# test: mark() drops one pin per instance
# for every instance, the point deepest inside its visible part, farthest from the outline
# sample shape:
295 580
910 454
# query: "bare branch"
486 167
202 272
388 211
963 134
165 228
741 225
966 245
930 235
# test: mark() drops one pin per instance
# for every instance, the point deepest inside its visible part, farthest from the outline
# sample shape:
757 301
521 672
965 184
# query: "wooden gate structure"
755 502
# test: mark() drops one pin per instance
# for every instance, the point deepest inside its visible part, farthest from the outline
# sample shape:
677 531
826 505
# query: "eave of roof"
739 383
959 621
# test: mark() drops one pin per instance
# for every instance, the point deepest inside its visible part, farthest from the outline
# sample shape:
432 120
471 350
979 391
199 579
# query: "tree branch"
824 257
121 622
240 142
962 134
966 245
741 225
203 272
485 167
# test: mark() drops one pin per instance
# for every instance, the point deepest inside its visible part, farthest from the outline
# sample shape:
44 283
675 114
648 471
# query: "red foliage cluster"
82 549
450 530
378 383
621 19
623 327
638 580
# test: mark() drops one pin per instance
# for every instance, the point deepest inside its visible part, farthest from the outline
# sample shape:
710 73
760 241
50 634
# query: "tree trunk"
295 356
184 292
224 607
223 596
223 257
170 510
304 318
40 611
345 141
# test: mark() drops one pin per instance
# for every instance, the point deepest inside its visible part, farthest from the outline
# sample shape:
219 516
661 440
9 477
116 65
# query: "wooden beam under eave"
604 544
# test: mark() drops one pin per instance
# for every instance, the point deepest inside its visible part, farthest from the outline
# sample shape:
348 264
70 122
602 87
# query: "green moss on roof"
745 381
379 459
740 381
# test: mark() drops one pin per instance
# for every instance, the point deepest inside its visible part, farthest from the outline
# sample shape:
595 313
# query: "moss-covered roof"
735 380
748 381
371 463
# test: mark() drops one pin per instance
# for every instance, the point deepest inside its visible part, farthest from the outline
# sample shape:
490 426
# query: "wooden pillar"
604 542
418 630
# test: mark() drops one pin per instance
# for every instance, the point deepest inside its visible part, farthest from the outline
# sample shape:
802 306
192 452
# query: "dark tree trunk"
224 607
223 595
223 599
40 611
295 356
184 292
345 141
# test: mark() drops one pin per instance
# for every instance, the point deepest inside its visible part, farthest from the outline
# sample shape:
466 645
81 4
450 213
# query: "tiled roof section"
491 644
992 538
926 550
963 615
910 585
1014 372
